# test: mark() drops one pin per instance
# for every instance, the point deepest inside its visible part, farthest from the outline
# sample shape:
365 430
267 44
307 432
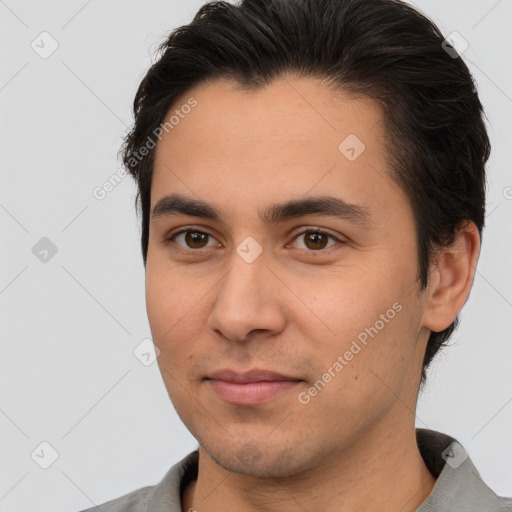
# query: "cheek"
173 318
178 305
362 369
366 324
168 297
344 306
173 313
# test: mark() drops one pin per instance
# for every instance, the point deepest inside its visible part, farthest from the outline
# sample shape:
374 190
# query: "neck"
383 471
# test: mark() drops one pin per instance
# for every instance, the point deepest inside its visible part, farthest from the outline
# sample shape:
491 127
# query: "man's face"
338 313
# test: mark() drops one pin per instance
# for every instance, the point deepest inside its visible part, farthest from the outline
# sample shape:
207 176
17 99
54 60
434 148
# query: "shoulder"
135 501
459 485
162 497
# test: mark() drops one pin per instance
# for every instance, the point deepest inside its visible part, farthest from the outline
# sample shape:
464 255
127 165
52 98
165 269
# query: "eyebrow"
328 206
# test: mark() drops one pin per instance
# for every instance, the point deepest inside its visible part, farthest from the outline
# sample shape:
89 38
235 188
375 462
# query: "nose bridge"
244 277
244 300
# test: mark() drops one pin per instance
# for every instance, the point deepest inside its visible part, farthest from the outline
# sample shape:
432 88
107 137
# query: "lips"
250 388
249 376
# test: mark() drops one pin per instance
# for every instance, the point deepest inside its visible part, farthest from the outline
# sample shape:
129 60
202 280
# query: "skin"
295 308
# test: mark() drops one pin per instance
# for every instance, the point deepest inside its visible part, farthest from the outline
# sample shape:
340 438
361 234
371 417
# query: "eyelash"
192 229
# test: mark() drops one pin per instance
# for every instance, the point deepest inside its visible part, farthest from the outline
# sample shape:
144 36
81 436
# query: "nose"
248 298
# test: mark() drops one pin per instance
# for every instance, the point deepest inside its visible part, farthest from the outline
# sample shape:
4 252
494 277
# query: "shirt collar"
459 486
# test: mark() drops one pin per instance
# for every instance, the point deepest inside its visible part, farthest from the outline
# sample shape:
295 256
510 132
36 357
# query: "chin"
256 461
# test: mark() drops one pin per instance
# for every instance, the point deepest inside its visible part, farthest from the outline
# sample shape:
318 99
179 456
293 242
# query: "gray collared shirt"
459 487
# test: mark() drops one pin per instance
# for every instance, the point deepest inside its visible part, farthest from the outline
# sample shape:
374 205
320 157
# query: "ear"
451 277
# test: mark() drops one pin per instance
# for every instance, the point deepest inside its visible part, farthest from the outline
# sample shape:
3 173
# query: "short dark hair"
382 49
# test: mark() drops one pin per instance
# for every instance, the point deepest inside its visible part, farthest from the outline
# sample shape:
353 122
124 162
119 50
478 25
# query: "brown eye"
196 239
192 239
315 240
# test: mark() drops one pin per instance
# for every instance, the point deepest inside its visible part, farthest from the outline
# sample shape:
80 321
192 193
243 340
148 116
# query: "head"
255 105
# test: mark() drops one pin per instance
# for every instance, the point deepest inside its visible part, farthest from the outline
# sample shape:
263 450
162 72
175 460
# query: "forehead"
293 136
300 110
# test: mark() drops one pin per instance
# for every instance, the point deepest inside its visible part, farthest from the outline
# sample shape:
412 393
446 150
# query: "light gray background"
68 375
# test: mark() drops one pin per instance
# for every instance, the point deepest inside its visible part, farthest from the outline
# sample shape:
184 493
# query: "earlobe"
451 278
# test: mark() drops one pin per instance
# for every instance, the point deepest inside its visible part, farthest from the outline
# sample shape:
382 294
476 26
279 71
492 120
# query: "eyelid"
316 229
183 229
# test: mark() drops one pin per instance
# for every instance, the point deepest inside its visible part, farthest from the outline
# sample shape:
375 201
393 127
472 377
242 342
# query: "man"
311 180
